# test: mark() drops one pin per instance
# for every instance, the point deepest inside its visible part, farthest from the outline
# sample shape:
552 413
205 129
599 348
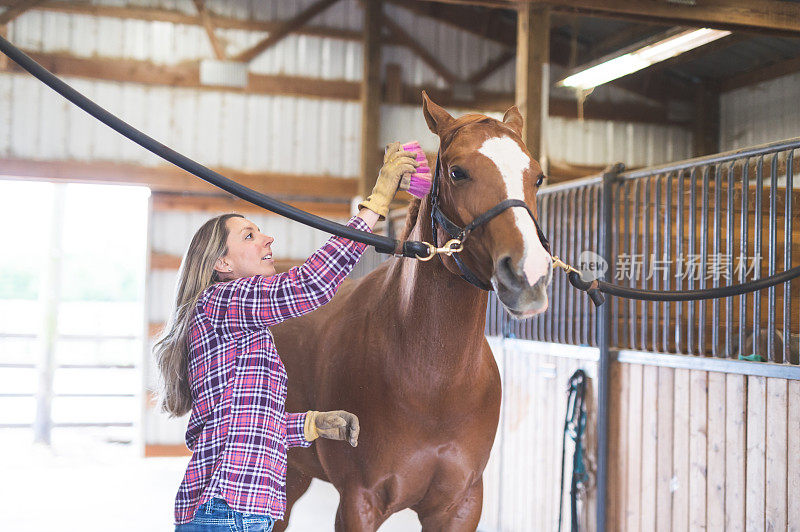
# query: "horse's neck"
444 312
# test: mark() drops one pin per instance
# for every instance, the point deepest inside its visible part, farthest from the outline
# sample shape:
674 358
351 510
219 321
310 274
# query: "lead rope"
574 426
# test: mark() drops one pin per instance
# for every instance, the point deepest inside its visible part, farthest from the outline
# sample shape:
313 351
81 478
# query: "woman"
217 359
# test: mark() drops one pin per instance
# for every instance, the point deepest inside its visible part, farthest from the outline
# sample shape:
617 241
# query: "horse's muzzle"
521 298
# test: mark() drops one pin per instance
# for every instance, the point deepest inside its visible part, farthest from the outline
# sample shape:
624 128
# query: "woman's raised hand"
396 164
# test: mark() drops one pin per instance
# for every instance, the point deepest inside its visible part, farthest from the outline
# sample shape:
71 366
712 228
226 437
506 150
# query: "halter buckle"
452 246
558 263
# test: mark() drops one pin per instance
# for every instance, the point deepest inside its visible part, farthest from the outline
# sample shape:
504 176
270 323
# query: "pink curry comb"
421 179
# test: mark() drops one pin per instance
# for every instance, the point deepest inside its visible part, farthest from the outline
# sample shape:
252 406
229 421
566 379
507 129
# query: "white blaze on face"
511 161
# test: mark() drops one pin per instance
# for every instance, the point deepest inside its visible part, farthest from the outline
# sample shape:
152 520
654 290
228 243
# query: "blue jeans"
217 516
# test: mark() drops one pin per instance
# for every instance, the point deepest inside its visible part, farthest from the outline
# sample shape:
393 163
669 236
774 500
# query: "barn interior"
297 99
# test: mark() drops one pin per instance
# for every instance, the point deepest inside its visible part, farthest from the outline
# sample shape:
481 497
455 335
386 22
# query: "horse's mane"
411 218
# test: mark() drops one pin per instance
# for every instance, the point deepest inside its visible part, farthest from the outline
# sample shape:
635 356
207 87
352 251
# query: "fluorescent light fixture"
641 56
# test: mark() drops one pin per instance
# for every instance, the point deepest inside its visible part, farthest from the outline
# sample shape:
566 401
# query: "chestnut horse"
404 347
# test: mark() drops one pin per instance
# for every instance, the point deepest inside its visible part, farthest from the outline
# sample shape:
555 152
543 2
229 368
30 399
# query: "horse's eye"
457 174
540 180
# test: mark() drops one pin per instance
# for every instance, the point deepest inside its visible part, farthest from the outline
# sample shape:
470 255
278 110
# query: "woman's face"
249 251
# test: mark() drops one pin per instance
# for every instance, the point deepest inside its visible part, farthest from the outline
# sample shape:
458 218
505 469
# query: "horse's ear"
436 117
513 119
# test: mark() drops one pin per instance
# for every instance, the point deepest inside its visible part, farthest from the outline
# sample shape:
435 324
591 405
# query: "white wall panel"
762 113
6 116
252 133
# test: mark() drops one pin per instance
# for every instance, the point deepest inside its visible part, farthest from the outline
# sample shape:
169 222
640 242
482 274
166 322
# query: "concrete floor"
80 485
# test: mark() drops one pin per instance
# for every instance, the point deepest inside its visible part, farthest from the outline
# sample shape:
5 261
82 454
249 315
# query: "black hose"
381 243
688 295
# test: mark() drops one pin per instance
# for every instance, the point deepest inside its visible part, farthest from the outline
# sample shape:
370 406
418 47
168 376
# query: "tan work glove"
334 425
396 165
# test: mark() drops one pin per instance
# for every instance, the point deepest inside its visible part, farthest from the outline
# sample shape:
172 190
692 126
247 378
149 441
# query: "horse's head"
483 162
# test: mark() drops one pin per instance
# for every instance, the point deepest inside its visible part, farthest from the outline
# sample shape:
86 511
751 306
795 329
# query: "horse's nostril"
508 274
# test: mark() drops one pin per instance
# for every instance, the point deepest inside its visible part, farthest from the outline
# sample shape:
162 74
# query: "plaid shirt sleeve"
295 435
259 302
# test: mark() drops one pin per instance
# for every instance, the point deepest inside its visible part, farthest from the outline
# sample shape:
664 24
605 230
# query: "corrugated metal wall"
762 113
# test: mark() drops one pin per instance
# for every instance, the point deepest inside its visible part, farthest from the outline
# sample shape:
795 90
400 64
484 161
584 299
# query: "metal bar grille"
706 222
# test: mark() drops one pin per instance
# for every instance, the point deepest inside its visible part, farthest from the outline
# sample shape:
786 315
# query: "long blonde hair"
196 274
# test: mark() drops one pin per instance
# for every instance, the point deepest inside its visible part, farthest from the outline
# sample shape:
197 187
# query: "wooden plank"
4 60
666 403
370 89
533 55
793 452
776 459
735 451
680 483
393 85
283 30
756 453
650 442
152 450
172 179
208 24
765 73
715 488
165 261
165 201
698 457
187 76
634 484
154 329
617 426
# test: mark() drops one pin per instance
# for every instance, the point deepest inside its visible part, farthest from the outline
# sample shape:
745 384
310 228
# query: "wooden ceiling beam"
286 27
776 16
208 24
492 66
492 26
769 72
179 17
15 9
292 187
407 40
620 39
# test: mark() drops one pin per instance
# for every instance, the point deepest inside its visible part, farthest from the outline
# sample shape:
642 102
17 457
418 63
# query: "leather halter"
462 233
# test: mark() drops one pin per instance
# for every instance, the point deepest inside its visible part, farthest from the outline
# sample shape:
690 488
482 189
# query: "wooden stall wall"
521 481
700 450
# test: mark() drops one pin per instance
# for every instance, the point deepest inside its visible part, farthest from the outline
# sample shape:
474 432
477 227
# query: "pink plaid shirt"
239 431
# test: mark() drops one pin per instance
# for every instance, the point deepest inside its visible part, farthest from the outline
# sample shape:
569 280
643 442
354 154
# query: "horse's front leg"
359 511
453 516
